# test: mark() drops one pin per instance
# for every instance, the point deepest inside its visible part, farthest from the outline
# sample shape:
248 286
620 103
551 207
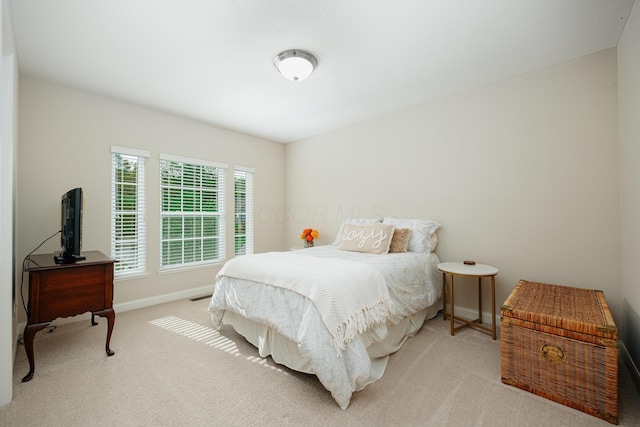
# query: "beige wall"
629 105
64 142
522 174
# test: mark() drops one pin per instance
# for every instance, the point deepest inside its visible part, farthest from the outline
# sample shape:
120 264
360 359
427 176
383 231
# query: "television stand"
68 259
64 290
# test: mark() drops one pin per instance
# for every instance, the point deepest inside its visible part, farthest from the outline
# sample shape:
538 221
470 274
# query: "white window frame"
243 209
180 251
133 261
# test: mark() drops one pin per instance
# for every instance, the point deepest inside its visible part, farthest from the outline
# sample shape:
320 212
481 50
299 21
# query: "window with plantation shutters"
192 206
128 217
243 221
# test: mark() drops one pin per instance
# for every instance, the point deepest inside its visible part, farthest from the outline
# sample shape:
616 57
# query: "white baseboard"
160 299
131 305
469 313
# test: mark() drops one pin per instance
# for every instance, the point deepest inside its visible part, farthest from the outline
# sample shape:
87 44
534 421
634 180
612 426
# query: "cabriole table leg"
28 336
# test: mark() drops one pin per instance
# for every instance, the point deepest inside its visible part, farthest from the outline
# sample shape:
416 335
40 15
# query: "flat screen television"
71 227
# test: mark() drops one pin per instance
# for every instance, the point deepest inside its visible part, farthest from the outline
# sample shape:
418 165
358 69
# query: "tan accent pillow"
400 240
373 239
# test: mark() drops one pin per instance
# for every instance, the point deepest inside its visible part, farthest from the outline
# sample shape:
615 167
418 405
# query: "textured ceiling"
212 61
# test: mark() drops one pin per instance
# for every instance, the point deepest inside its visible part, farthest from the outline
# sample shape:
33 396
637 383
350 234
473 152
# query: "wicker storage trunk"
561 343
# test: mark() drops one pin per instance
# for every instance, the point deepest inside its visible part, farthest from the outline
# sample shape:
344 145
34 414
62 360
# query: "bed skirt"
285 352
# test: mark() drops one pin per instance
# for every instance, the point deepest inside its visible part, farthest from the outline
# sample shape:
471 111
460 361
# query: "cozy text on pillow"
374 238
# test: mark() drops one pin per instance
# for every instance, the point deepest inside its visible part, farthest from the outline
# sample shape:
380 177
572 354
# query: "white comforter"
413 284
351 297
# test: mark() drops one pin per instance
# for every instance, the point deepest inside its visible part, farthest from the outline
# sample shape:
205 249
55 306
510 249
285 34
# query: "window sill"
170 270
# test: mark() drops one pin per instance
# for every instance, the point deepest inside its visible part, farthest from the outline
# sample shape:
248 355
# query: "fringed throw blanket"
351 297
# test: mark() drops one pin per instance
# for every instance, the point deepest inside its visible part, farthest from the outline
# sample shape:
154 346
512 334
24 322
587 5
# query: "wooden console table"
63 290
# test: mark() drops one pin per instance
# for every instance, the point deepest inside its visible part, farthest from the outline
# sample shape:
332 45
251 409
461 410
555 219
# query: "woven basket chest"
561 343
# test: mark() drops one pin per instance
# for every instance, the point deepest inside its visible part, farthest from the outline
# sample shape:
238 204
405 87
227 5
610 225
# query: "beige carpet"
172 369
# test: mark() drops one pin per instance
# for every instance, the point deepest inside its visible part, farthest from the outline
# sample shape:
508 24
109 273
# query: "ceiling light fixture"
295 64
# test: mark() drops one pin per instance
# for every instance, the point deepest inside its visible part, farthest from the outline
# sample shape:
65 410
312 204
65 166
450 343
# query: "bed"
336 311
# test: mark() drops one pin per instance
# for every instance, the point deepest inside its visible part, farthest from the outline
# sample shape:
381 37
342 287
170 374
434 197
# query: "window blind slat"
243 210
189 161
192 209
128 220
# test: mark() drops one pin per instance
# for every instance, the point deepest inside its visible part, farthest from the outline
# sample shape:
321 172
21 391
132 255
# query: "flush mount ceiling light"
295 64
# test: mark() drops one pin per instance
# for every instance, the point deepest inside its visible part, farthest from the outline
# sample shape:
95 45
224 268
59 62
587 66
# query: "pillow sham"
355 221
372 239
400 240
422 232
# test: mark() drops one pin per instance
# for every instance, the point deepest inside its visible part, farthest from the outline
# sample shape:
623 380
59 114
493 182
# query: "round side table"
475 270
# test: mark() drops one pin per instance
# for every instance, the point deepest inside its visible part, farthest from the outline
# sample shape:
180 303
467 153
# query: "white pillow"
355 221
371 239
423 232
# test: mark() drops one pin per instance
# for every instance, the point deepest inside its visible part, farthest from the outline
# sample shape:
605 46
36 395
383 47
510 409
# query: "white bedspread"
351 297
412 281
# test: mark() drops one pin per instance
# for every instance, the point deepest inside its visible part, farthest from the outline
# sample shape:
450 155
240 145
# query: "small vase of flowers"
308 234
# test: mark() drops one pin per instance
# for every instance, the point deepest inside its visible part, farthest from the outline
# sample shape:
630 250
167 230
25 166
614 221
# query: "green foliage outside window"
240 218
192 207
126 214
